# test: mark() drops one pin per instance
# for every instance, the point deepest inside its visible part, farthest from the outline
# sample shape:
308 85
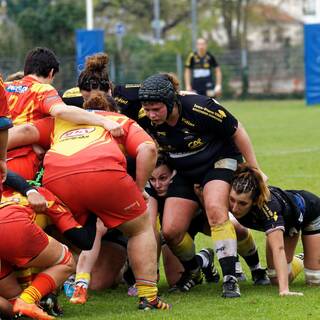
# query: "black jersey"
127 99
202 135
73 97
201 68
287 210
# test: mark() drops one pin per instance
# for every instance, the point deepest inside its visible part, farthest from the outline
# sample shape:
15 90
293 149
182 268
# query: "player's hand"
114 127
101 228
37 201
290 293
3 170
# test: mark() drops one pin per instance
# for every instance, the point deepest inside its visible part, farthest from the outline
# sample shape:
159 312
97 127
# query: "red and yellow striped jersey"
56 210
29 100
85 148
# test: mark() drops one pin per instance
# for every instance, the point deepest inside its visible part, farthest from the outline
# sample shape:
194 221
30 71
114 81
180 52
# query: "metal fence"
269 72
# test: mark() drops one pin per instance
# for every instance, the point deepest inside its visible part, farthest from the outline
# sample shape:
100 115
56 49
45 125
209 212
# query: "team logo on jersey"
76 133
195 143
16 89
186 121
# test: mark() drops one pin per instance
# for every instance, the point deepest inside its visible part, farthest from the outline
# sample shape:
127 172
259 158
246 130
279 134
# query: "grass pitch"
286 138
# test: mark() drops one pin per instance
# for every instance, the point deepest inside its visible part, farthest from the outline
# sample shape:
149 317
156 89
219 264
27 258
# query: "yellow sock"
147 289
246 246
185 250
83 279
30 295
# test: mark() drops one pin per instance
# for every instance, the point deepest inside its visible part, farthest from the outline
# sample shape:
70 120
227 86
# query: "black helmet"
158 88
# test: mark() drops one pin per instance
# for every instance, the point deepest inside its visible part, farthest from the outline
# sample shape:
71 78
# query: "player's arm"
79 116
140 146
187 73
243 143
276 244
218 81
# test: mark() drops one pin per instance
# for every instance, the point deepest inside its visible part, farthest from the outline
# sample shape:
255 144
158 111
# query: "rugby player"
204 143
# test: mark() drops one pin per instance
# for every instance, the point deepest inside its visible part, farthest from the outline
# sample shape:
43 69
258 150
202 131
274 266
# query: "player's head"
162 175
247 189
98 100
41 62
95 76
158 95
202 45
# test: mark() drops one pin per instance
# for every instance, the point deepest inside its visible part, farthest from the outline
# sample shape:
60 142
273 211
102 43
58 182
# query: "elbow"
150 149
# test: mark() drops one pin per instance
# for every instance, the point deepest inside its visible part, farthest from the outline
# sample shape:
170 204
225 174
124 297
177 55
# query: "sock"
40 286
83 279
238 265
202 259
248 251
225 244
147 289
186 252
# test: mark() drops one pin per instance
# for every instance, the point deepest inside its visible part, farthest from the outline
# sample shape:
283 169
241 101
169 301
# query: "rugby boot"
80 295
260 277
230 287
158 304
210 272
188 280
30 310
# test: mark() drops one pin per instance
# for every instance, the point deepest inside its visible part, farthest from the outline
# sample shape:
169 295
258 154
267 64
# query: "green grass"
286 137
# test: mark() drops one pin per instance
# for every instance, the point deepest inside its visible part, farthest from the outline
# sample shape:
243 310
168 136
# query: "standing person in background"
198 75
5 124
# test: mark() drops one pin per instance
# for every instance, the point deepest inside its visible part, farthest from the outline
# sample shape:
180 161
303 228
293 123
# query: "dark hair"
99 101
249 179
163 160
40 61
161 87
95 75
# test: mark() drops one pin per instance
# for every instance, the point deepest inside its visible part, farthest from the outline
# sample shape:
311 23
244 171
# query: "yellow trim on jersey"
141 113
71 93
41 87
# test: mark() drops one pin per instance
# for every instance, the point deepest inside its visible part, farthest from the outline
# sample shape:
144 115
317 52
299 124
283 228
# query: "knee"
217 214
172 235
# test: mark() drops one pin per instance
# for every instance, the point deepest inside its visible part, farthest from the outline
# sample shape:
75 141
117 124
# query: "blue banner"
88 42
312 62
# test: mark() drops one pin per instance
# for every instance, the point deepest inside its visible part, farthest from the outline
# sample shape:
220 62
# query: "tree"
48 23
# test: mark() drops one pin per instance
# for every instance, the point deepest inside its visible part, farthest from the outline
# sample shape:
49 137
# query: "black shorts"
311 220
198 224
182 186
115 236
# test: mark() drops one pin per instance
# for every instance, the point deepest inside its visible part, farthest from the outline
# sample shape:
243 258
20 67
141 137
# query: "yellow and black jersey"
127 99
73 97
201 67
287 210
202 134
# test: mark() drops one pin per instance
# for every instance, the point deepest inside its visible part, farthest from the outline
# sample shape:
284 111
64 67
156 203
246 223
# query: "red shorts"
23 161
112 195
5 269
0 190
20 239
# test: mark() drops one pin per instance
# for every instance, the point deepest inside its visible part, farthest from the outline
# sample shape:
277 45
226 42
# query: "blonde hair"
249 179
